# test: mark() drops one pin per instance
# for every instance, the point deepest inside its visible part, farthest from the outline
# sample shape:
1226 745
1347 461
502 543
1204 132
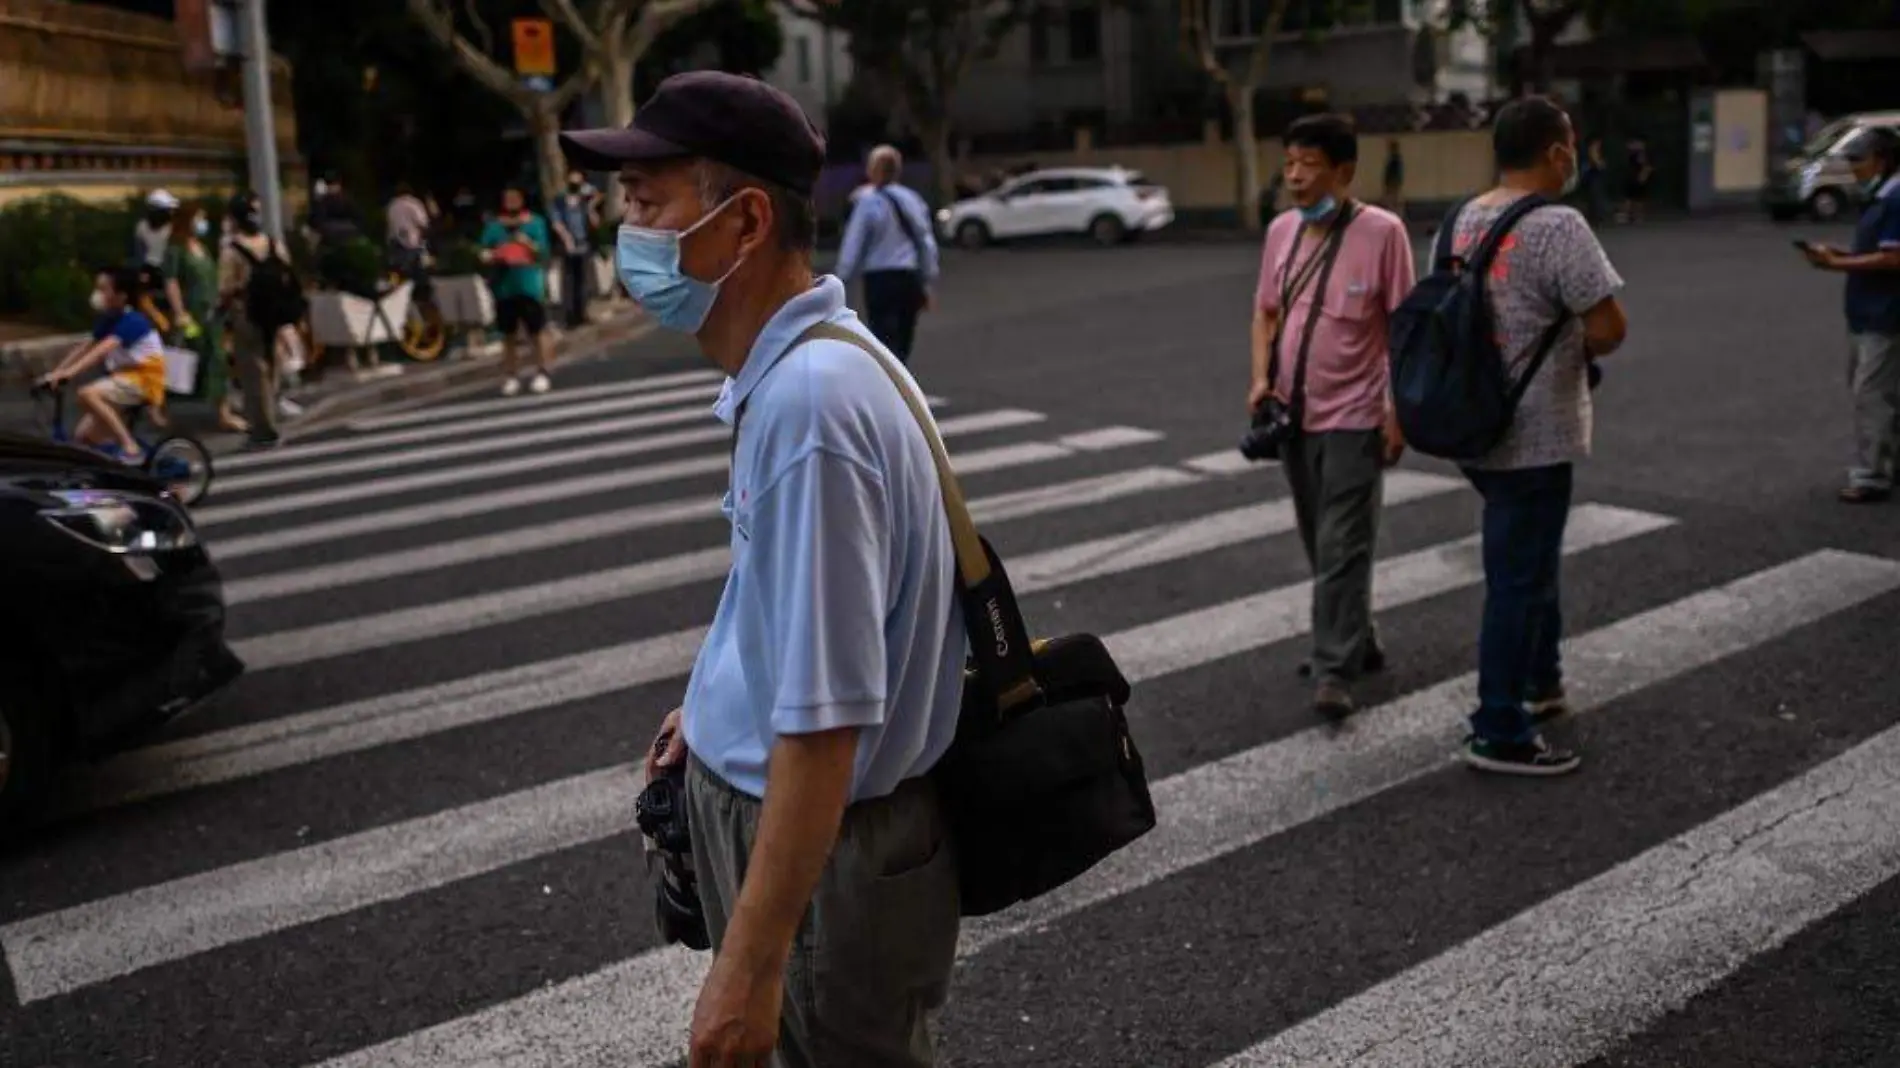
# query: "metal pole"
260 126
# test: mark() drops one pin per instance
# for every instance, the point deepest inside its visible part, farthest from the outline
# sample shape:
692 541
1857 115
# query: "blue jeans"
1524 515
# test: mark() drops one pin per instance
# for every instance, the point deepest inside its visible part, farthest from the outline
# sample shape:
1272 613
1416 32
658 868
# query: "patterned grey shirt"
1550 261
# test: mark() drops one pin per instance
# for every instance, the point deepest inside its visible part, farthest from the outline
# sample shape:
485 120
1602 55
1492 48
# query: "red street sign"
534 47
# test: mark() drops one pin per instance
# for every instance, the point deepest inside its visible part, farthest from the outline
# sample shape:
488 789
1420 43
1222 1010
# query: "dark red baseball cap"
728 118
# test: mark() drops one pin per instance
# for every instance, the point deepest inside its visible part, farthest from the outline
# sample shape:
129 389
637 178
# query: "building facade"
1121 64
814 67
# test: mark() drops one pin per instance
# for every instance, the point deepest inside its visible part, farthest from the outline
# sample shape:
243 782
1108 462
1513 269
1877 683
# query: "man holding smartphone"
1872 301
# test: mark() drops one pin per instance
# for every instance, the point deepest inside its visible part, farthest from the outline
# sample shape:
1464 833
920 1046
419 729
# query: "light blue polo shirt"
841 607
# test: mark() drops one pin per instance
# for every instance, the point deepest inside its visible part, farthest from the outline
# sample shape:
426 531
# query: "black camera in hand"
660 812
1272 428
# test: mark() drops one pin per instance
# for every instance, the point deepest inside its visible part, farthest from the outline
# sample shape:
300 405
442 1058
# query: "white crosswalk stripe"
382 461
1212 810
381 443
461 410
973 462
403 650
298 884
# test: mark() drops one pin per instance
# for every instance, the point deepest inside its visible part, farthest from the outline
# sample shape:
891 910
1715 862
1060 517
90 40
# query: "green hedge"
50 246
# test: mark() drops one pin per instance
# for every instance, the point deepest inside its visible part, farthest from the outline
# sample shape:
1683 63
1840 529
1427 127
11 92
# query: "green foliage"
57 295
354 266
744 36
46 241
919 52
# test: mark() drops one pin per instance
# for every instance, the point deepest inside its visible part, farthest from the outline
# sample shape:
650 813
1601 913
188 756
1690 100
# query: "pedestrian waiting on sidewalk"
830 682
576 217
518 245
1551 290
1872 300
889 239
1331 272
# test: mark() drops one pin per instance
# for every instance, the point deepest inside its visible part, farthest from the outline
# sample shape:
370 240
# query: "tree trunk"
544 126
1246 156
1543 64
936 135
616 99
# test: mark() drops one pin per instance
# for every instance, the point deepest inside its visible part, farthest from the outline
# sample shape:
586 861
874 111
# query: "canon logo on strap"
996 628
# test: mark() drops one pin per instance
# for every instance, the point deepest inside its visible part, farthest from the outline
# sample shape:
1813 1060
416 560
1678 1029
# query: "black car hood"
39 464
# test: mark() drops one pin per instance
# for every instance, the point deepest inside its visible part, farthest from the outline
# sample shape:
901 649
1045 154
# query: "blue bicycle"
179 461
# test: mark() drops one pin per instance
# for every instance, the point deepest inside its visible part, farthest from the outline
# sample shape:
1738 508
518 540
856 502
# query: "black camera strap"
999 638
1322 260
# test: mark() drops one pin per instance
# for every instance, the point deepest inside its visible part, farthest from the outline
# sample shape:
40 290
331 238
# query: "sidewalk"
338 396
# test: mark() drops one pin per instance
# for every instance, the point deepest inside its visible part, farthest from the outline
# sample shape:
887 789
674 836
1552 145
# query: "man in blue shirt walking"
831 679
890 240
1873 314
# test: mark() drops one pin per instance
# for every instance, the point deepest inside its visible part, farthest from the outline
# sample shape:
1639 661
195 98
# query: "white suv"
1108 203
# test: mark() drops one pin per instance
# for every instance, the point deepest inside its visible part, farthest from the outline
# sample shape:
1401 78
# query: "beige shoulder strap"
972 562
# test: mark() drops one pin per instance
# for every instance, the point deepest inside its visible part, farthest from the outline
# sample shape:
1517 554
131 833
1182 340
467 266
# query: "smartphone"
1804 244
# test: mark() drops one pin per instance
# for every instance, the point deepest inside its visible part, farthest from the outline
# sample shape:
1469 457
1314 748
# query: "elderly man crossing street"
831 679
890 241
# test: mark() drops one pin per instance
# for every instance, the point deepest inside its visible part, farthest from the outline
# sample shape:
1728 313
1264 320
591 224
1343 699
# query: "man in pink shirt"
1320 347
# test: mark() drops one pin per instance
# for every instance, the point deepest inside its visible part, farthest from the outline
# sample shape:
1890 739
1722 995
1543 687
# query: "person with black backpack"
889 238
1491 369
260 294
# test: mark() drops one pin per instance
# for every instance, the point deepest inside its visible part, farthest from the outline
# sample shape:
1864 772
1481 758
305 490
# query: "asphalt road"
402 838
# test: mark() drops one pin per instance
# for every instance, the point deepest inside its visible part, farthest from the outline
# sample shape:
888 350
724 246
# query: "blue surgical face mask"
648 263
1320 209
201 226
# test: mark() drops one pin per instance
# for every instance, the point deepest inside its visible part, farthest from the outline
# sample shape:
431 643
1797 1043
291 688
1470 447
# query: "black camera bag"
1043 780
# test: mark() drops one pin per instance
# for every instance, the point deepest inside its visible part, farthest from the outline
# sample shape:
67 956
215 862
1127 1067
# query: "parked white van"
1817 182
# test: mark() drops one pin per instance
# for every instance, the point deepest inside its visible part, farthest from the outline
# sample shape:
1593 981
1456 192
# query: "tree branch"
564 12
1263 47
1198 41
1548 19
481 25
656 17
576 84
441 26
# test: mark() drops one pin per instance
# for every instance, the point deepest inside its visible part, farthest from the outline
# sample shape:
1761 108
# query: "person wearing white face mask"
128 345
831 679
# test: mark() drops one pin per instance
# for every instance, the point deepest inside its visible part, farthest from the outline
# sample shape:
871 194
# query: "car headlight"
121 523
943 215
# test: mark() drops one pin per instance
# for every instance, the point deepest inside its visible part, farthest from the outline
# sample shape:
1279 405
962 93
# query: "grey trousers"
1873 374
871 963
1338 487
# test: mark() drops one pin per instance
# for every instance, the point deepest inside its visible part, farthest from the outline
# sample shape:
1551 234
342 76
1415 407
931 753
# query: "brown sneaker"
1333 700
1545 707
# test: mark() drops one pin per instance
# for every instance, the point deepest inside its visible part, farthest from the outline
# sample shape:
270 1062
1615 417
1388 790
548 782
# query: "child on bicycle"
134 357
